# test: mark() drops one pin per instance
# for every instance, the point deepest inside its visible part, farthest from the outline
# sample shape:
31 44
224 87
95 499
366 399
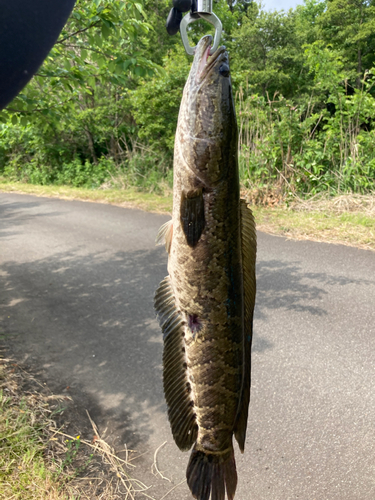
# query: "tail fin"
212 473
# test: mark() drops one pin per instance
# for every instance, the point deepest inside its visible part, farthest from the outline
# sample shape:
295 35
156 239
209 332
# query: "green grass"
357 220
354 228
150 202
23 471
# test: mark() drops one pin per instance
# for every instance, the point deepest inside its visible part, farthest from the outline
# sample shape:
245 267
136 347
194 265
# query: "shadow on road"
287 286
87 321
12 214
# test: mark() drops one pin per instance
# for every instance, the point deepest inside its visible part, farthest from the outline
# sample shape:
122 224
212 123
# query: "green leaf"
138 6
98 40
91 81
139 71
15 119
106 31
125 65
101 62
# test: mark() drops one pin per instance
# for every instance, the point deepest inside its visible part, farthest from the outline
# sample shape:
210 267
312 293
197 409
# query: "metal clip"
204 11
204 6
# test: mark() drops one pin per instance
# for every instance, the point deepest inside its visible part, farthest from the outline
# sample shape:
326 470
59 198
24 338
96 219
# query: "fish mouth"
207 62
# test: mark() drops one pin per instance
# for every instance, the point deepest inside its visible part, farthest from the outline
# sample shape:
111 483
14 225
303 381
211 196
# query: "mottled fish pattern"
205 306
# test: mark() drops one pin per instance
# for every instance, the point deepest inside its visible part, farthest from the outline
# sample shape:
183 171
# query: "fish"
205 305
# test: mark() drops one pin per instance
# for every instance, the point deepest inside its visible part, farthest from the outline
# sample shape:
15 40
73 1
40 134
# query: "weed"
304 151
143 169
72 446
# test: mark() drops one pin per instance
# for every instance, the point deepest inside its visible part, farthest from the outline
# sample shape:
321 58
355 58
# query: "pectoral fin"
192 216
249 246
164 236
175 378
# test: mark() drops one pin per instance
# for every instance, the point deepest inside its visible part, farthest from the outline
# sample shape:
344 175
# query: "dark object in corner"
182 5
28 30
173 21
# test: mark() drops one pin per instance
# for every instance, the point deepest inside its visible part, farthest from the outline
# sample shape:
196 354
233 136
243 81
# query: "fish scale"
205 306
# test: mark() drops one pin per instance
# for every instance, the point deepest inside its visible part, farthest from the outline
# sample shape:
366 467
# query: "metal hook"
204 11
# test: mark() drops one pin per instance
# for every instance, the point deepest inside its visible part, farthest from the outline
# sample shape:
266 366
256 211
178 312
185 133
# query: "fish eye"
224 70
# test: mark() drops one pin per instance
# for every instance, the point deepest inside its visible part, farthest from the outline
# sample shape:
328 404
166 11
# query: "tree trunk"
91 145
359 67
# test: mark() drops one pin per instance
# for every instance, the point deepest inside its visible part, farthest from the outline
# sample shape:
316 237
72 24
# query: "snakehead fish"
205 306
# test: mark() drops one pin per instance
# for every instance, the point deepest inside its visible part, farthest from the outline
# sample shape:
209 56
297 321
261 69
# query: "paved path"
76 289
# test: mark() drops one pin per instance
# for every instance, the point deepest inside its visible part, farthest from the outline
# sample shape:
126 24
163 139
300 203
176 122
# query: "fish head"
207 129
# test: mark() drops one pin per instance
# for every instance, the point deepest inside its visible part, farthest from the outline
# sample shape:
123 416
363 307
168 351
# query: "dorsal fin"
249 246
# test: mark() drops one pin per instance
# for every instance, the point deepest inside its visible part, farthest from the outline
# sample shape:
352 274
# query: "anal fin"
175 378
249 245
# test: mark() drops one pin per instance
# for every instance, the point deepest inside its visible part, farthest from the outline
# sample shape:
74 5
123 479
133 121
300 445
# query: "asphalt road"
76 293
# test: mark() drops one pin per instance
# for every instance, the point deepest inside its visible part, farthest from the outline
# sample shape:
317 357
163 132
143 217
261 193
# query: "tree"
98 55
266 51
307 20
349 26
239 5
98 45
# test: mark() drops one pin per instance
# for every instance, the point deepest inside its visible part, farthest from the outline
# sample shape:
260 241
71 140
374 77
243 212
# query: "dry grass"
39 461
344 203
345 219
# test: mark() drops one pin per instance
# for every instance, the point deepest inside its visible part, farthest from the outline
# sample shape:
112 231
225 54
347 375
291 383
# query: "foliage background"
102 110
